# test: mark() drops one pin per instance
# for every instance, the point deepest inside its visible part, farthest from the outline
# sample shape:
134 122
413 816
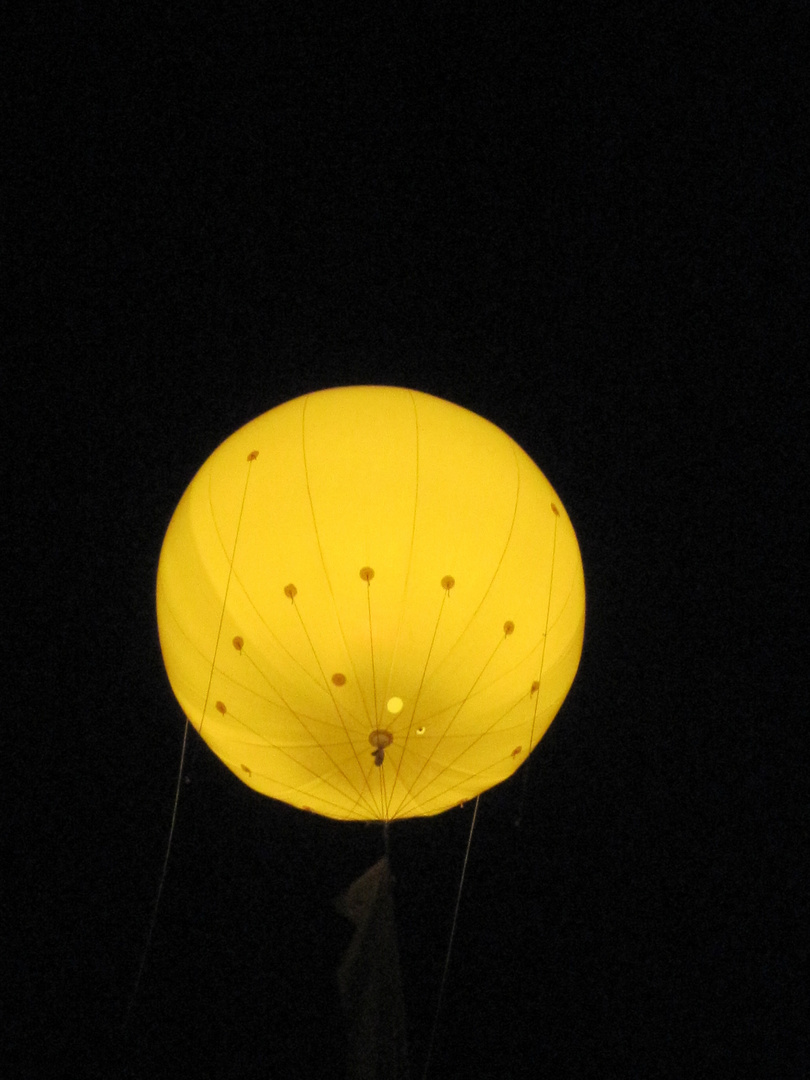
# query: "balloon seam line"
227 587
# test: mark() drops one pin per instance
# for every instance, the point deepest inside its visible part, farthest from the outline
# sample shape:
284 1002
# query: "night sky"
591 228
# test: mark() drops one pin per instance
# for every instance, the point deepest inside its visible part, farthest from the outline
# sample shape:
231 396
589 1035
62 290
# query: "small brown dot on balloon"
555 511
291 591
238 643
508 628
535 686
448 582
339 679
221 707
366 573
516 751
247 770
253 455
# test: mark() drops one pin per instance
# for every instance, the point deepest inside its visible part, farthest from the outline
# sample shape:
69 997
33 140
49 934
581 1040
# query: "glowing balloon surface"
371 603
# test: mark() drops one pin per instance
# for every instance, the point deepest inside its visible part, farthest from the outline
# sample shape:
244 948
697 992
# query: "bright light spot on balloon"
394 705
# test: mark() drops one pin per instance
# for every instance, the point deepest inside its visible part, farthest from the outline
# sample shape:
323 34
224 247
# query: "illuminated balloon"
371 603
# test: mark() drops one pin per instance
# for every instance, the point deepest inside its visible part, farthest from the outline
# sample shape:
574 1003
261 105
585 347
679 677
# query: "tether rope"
450 945
153 921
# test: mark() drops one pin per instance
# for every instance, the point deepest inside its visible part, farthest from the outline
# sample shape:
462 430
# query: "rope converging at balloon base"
537 684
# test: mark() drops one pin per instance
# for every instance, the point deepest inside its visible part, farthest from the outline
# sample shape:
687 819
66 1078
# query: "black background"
589 226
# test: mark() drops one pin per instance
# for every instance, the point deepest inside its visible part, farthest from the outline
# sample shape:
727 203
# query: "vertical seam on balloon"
286 753
481 735
227 582
383 798
375 723
415 505
337 710
278 642
282 704
415 794
366 777
405 593
495 572
344 813
452 787
328 581
323 561
472 618
466 780
565 602
317 682
219 636
303 724
466 628
416 702
545 635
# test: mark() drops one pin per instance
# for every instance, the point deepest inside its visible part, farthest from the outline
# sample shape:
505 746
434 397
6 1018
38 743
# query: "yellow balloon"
371 603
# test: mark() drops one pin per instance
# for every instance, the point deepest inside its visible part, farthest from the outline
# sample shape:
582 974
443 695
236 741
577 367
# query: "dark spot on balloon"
380 738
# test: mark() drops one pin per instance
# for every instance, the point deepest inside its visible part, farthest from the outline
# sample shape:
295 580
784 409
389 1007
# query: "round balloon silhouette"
371 603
